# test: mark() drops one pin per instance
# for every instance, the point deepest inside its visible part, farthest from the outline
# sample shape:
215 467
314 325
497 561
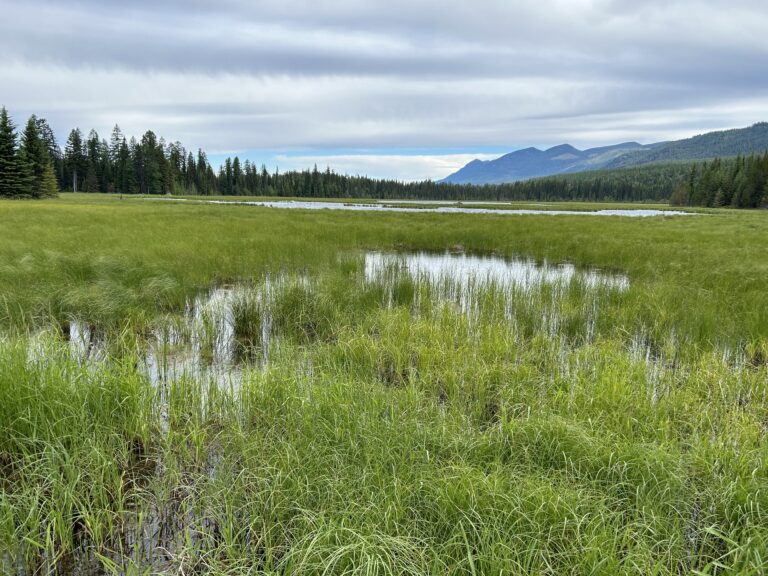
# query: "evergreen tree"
46 134
680 196
75 160
115 141
10 170
125 171
36 157
190 175
692 195
177 167
106 169
150 162
225 175
203 177
91 183
54 151
97 163
741 193
237 178
49 186
719 200
755 182
25 188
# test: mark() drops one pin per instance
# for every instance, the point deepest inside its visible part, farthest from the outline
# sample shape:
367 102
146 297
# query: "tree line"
34 165
131 166
739 183
26 163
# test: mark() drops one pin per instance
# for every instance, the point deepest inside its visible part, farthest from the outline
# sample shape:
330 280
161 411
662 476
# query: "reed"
400 425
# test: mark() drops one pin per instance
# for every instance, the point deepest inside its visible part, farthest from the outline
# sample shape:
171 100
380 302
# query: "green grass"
108 259
397 427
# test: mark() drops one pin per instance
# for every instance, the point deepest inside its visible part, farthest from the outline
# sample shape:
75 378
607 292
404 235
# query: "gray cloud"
375 75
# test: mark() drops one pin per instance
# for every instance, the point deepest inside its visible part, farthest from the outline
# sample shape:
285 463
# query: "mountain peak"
563 149
530 163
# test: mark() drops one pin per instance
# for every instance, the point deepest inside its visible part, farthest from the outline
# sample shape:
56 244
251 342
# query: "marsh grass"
400 426
251 318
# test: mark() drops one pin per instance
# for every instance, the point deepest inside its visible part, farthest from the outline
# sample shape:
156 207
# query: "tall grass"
400 426
106 259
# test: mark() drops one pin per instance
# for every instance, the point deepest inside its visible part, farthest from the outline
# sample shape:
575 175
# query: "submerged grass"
400 426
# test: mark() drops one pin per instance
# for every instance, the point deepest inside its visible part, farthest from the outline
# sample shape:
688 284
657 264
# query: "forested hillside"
740 183
565 159
722 144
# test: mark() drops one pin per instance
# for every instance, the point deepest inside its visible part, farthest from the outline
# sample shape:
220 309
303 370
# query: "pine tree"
106 169
190 175
237 177
115 141
719 200
10 176
177 168
150 163
49 187
203 174
95 152
25 186
46 134
694 190
741 193
54 152
225 177
125 171
75 160
91 183
36 157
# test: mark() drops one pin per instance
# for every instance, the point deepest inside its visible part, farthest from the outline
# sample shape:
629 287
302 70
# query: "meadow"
386 423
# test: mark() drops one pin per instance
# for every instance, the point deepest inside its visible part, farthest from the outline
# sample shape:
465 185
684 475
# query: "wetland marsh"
188 388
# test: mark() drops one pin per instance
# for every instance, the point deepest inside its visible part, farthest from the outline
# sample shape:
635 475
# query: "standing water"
205 343
466 270
370 207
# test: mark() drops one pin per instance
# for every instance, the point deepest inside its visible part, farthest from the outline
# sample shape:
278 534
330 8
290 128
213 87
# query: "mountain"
532 163
722 144
565 159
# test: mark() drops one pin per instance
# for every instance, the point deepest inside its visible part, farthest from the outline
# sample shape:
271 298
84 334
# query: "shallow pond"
351 206
467 270
203 343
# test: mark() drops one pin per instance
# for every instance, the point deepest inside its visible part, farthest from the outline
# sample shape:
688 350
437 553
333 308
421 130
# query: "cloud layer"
415 75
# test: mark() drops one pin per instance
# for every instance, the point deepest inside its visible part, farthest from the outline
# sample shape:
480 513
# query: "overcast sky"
398 88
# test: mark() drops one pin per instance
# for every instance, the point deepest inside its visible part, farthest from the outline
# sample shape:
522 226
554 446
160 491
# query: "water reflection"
371 207
202 344
230 327
471 271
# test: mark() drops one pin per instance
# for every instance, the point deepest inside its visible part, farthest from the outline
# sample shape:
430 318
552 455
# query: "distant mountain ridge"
721 144
565 159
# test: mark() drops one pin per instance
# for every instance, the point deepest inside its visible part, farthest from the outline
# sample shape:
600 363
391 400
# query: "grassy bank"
398 426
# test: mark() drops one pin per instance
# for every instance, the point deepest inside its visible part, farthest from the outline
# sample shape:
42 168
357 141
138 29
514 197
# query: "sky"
405 89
